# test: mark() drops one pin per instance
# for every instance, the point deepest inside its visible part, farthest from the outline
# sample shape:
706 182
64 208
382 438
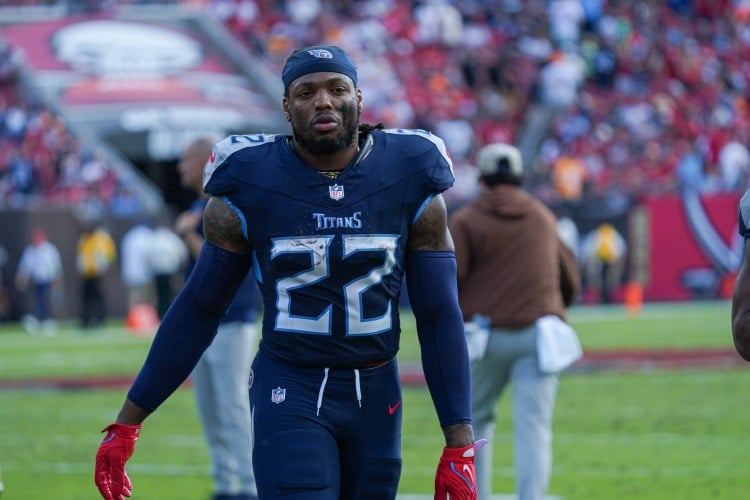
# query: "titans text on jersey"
324 221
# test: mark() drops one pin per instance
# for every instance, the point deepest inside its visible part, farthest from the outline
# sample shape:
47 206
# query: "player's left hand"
455 478
114 451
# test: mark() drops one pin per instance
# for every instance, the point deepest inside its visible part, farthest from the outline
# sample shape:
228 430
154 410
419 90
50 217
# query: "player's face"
324 112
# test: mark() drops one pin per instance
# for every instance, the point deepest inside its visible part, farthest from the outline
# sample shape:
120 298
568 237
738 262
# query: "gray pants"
220 380
512 356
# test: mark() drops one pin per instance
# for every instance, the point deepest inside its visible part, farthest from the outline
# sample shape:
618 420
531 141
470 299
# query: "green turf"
640 436
684 325
649 435
48 440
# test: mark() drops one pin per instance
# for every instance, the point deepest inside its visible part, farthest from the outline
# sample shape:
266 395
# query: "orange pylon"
633 298
142 319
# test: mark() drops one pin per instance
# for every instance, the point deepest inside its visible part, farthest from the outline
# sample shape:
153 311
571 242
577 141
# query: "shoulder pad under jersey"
430 149
221 153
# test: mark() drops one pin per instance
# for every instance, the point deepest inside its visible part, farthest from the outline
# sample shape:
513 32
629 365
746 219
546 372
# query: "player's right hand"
116 448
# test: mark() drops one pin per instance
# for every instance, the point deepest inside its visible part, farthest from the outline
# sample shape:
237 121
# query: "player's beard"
330 145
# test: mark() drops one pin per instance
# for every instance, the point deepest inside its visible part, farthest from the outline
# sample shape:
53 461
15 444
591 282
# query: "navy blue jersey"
329 253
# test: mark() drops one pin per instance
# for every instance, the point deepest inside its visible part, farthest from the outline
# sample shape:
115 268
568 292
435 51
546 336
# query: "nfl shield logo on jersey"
278 395
336 192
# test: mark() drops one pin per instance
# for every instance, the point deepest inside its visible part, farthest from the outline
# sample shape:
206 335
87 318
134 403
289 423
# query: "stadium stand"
43 161
612 104
651 73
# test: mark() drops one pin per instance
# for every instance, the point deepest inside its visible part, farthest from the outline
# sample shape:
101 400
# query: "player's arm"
223 227
190 324
185 332
431 284
741 306
741 293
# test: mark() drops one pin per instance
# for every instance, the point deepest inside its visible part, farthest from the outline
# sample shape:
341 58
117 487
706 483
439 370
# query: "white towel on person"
477 334
558 346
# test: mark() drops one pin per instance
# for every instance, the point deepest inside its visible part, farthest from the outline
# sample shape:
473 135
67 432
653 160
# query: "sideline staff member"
516 275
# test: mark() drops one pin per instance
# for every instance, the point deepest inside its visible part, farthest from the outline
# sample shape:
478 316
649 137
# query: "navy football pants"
326 436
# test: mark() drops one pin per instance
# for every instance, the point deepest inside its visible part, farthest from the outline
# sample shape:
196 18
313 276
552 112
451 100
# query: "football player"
329 220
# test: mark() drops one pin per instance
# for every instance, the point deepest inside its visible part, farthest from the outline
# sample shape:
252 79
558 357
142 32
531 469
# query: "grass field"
647 434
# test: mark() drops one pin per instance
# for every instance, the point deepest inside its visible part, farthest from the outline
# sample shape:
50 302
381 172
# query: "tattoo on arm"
223 227
430 231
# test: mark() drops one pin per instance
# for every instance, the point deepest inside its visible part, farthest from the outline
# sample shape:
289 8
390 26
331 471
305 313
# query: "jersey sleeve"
423 150
229 155
441 172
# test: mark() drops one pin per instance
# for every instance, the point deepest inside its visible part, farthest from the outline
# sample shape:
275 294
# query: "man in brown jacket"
516 277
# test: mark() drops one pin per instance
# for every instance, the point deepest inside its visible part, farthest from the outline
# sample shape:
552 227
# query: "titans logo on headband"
320 53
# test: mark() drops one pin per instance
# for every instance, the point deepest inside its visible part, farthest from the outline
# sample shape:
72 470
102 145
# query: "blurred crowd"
644 97
43 162
662 105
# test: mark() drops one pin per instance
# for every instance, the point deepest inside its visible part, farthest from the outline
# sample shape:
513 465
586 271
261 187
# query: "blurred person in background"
41 269
95 253
6 301
166 257
221 377
138 276
604 252
734 161
516 277
134 265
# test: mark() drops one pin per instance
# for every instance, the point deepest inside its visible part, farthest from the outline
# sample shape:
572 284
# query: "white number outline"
317 247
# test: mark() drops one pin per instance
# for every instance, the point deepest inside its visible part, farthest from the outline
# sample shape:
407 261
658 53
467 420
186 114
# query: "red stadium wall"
693 248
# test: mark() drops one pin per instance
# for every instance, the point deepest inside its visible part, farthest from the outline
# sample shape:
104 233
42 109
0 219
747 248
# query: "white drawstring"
320 392
357 387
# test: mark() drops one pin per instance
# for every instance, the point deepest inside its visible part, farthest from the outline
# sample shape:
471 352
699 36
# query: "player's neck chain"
331 174
334 174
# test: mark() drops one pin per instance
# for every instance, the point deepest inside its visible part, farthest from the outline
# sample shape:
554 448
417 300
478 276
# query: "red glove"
116 448
455 478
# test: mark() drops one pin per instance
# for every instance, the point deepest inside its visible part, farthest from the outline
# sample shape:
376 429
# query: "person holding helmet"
516 277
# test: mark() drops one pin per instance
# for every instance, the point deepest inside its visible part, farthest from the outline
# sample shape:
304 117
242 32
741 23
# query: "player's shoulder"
416 152
745 202
418 140
419 147
235 151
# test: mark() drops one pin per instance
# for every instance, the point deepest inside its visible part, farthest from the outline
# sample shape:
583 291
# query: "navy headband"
315 59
